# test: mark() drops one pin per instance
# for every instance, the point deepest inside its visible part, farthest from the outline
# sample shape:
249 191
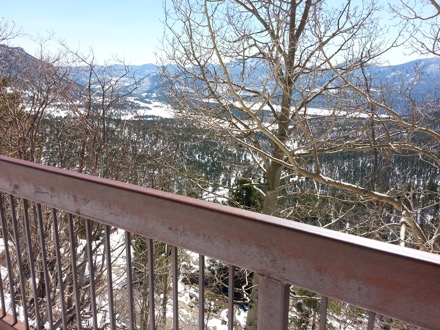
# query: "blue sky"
130 29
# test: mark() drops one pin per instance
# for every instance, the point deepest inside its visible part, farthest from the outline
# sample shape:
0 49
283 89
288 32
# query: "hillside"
145 83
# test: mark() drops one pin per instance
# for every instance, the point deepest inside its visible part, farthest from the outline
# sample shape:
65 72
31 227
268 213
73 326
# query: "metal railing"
103 226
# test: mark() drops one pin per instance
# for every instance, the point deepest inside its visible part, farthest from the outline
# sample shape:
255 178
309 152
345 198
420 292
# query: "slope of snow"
153 108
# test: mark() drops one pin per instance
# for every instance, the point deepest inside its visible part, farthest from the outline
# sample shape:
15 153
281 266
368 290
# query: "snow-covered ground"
152 108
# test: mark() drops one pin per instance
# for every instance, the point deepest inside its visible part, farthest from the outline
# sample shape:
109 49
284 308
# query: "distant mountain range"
15 62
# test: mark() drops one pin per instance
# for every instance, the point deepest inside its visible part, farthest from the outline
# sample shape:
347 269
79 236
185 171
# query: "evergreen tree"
246 196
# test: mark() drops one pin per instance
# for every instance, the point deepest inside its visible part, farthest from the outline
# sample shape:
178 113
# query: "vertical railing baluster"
371 320
8 262
19 261
73 245
90 260
108 260
131 317
231 293
151 284
27 231
273 304
201 292
175 270
2 299
47 283
323 313
59 266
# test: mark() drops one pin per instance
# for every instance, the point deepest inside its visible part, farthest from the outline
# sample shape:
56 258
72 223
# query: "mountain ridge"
14 61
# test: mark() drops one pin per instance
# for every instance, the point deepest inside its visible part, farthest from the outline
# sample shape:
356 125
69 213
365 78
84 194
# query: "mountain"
15 62
424 73
12 59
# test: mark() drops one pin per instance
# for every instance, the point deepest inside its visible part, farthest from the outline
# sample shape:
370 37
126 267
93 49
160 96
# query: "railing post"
273 304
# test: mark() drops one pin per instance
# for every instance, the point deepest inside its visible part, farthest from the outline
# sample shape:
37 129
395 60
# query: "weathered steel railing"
40 202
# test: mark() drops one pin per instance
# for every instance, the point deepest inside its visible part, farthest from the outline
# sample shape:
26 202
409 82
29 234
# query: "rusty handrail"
391 280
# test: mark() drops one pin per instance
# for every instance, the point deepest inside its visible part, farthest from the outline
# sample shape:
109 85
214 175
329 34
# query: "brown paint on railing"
384 278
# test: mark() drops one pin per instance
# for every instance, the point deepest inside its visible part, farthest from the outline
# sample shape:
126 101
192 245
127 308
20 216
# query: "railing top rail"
388 279
215 208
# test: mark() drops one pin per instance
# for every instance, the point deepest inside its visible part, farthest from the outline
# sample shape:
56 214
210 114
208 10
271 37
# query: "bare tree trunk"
273 175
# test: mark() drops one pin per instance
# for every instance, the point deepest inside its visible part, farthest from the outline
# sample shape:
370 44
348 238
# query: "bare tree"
64 110
255 72
39 84
420 25
8 30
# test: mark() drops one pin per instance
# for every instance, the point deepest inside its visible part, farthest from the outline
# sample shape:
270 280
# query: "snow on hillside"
147 109
138 110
